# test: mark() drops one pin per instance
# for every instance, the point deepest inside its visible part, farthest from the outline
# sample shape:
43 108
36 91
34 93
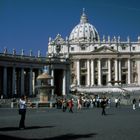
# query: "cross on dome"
83 11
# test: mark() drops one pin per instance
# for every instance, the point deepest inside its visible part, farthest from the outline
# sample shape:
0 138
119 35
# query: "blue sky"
27 24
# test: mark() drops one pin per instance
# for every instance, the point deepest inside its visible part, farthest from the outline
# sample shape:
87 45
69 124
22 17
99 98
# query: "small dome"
84 31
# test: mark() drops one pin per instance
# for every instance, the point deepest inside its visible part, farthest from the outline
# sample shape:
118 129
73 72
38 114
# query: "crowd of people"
83 102
79 103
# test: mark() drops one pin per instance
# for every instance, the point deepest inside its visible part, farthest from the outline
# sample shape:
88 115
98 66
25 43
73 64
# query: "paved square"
87 124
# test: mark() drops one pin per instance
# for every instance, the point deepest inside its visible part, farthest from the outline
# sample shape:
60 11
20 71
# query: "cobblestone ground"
87 124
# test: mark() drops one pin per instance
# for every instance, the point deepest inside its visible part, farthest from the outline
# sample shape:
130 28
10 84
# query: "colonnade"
17 81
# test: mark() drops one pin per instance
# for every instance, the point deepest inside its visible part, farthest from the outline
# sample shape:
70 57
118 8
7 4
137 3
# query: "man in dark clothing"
103 105
134 104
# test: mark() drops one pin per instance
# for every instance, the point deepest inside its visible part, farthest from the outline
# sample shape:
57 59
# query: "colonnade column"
52 81
38 81
64 83
14 82
78 72
30 82
99 72
33 83
116 71
92 73
129 71
109 72
5 82
22 81
88 73
120 72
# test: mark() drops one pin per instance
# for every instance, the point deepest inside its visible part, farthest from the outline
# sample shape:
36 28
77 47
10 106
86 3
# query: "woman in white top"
22 111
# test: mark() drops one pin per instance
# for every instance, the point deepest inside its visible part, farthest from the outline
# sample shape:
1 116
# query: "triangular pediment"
105 49
59 39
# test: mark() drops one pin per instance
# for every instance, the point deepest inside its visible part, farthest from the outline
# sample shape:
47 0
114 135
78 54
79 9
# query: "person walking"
116 102
79 103
103 106
70 104
64 105
22 111
134 104
139 102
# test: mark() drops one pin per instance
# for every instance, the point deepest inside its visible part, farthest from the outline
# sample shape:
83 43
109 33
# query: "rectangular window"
133 48
72 48
123 47
83 63
83 48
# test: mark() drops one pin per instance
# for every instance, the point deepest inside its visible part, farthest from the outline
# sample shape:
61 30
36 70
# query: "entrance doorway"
58 80
104 81
83 80
123 79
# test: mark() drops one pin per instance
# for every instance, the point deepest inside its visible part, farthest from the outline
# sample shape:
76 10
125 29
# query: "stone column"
33 83
5 82
116 71
14 82
30 82
68 81
52 81
88 73
138 72
129 71
22 81
78 72
92 73
64 83
109 72
38 81
120 72
99 72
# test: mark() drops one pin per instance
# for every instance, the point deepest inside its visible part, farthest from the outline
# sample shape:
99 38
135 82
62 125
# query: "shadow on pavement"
61 137
27 128
72 136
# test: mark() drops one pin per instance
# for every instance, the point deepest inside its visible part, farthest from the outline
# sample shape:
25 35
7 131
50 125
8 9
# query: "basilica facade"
82 62
95 61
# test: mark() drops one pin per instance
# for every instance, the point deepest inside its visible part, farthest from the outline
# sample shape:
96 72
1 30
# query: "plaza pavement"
87 124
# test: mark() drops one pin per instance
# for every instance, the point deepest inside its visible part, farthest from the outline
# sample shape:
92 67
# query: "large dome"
84 31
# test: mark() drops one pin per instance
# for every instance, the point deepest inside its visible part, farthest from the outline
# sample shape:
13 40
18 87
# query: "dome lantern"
84 18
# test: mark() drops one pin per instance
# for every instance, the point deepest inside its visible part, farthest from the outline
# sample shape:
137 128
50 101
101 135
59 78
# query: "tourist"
79 103
103 106
70 105
64 105
116 102
134 104
94 102
22 111
139 102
